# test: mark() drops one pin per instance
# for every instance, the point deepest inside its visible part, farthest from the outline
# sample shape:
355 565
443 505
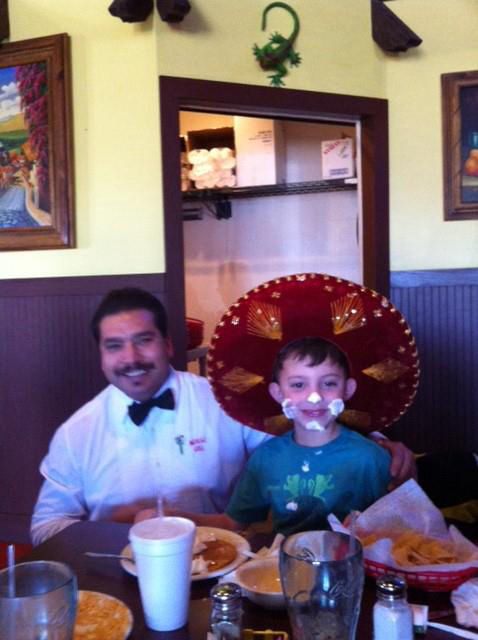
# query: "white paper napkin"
465 601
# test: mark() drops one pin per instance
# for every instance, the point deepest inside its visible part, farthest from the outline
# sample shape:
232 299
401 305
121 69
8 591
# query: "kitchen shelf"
313 186
219 198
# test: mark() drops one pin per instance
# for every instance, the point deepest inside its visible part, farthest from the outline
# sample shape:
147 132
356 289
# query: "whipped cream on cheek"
288 409
336 407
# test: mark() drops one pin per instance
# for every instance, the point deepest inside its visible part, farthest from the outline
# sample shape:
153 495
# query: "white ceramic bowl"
260 582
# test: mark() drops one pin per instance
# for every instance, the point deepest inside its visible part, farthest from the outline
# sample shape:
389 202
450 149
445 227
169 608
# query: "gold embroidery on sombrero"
264 320
355 418
239 380
347 313
386 371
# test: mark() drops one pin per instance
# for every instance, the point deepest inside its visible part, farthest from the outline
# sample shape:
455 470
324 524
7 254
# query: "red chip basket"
425 580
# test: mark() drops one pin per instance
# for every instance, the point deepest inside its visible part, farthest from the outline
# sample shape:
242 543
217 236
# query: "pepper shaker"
226 613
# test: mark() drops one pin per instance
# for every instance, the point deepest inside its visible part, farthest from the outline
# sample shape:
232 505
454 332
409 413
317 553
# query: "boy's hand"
403 466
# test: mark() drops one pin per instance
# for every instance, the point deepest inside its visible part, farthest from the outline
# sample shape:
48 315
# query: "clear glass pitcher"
322 578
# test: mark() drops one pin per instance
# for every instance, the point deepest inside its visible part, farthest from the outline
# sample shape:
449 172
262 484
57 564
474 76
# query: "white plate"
238 541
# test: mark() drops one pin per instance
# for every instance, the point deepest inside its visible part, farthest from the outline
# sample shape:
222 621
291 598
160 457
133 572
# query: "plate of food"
216 552
101 617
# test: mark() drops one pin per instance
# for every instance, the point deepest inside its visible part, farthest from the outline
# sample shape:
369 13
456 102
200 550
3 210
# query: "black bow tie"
138 411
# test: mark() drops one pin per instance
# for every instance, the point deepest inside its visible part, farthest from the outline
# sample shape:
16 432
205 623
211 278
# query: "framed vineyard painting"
36 159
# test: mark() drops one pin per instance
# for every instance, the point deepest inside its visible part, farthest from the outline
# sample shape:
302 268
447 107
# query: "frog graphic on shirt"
302 490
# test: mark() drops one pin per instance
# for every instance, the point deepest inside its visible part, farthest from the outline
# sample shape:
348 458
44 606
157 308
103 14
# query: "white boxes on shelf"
338 158
260 156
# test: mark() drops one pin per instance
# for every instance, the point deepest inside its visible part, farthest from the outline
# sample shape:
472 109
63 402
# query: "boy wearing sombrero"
327 342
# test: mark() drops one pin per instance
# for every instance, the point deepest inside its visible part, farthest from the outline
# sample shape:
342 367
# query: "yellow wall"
117 157
215 43
116 139
420 239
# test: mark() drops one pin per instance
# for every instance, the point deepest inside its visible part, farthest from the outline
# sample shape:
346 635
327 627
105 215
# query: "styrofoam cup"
162 549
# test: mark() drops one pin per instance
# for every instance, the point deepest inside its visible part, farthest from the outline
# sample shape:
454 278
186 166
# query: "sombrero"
364 324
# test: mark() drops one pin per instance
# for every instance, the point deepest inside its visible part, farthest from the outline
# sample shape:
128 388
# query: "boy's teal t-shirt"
303 485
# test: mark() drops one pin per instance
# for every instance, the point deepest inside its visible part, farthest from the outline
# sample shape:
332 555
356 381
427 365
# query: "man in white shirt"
153 432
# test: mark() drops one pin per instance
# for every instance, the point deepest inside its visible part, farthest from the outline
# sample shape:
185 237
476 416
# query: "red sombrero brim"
364 324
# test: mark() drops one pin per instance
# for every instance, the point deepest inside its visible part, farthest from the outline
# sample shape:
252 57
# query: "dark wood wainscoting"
442 309
48 368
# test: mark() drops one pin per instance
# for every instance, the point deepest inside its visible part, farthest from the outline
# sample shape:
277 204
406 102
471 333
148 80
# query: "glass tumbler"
37 601
322 578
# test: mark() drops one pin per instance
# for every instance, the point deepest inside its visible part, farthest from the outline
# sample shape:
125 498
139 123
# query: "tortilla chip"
371 538
412 549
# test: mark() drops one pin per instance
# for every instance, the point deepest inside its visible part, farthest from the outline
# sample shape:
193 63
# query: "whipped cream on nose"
314 397
288 409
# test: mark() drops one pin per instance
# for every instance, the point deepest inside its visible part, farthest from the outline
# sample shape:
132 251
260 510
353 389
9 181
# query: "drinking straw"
160 506
462 633
352 523
11 570
159 498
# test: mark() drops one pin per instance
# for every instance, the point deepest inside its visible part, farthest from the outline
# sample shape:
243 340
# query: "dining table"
106 575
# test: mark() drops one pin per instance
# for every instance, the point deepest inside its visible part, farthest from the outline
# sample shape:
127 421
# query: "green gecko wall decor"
273 55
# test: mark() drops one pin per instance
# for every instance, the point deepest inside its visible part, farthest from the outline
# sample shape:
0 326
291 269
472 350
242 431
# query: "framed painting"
460 144
36 142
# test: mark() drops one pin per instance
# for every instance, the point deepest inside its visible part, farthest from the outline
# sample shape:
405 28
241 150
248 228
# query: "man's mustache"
128 368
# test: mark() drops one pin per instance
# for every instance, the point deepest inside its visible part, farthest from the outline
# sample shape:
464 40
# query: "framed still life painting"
460 144
36 159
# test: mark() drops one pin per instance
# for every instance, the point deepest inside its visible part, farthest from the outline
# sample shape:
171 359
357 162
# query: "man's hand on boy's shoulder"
403 465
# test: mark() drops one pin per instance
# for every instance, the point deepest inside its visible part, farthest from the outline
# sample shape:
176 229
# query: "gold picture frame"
36 145
460 144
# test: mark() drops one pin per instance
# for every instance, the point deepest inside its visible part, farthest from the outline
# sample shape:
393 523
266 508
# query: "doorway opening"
293 109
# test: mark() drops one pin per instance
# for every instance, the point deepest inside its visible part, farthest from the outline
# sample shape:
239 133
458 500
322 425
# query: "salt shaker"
226 613
392 615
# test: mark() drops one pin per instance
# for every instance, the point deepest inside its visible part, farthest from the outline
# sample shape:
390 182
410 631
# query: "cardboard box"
338 158
210 138
260 152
